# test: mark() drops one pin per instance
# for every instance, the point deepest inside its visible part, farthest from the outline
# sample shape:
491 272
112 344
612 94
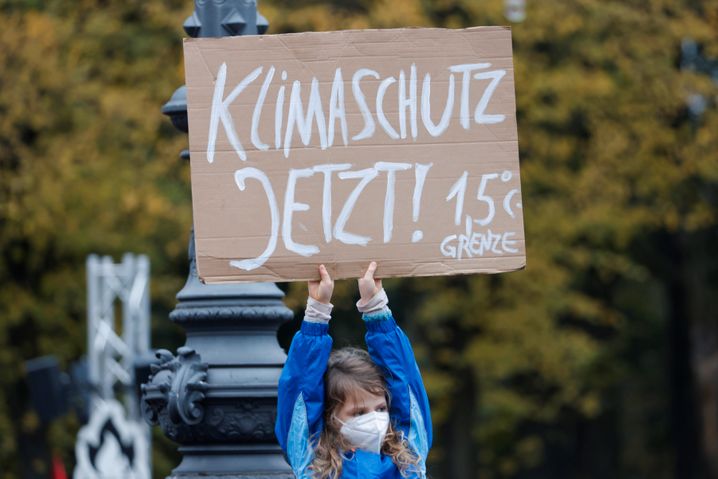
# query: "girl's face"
362 402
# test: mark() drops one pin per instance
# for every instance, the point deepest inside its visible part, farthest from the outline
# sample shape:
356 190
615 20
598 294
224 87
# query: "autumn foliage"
600 359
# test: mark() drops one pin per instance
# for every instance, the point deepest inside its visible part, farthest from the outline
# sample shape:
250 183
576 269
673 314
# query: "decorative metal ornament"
218 396
180 388
219 18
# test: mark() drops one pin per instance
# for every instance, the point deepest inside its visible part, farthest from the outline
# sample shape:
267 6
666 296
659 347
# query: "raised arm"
391 350
300 404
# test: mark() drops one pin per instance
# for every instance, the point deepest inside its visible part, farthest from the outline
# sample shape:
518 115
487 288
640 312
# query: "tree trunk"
461 455
684 417
699 267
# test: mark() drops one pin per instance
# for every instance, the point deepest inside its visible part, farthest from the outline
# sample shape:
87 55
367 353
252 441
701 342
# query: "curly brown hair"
349 370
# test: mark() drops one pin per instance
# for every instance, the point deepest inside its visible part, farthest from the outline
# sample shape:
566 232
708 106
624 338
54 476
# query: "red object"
58 468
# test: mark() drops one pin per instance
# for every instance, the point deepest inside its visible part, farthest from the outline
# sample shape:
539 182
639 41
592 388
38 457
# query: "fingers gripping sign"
368 285
322 289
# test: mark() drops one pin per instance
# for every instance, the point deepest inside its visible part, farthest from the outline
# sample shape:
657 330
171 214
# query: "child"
349 413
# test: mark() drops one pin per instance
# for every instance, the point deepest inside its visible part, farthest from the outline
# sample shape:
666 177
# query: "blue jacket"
300 411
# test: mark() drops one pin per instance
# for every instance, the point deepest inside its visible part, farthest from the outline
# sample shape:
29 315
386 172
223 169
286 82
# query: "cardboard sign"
398 146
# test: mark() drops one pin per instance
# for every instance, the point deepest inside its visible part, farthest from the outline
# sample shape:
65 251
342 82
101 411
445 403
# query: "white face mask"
366 431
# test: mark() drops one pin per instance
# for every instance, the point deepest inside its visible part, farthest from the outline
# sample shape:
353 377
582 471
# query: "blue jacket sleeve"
300 405
390 349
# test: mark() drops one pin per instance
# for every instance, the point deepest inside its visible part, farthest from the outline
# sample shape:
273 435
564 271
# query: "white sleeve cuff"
317 312
376 303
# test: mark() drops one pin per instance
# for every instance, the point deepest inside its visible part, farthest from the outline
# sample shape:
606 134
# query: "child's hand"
321 290
368 286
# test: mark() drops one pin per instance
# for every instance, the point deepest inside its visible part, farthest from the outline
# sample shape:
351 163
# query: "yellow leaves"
494 352
171 14
589 405
7 442
30 422
528 452
308 18
397 13
570 24
323 17
440 387
701 216
505 404
40 30
606 161
530 449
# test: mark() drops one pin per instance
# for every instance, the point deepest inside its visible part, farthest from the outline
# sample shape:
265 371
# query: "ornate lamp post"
217 398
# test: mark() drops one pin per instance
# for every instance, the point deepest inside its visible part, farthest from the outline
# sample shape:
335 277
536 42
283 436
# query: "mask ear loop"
335 418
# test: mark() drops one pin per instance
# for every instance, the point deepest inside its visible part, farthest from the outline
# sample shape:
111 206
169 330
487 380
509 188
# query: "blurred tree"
88 164
599 360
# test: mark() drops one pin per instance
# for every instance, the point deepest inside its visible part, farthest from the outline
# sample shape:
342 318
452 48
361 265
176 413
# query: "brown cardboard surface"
398 146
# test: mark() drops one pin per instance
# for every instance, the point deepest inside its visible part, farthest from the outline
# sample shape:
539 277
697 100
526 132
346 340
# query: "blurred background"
599 360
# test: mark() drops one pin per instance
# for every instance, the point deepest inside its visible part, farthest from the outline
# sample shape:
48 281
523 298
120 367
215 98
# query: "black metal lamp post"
217 398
